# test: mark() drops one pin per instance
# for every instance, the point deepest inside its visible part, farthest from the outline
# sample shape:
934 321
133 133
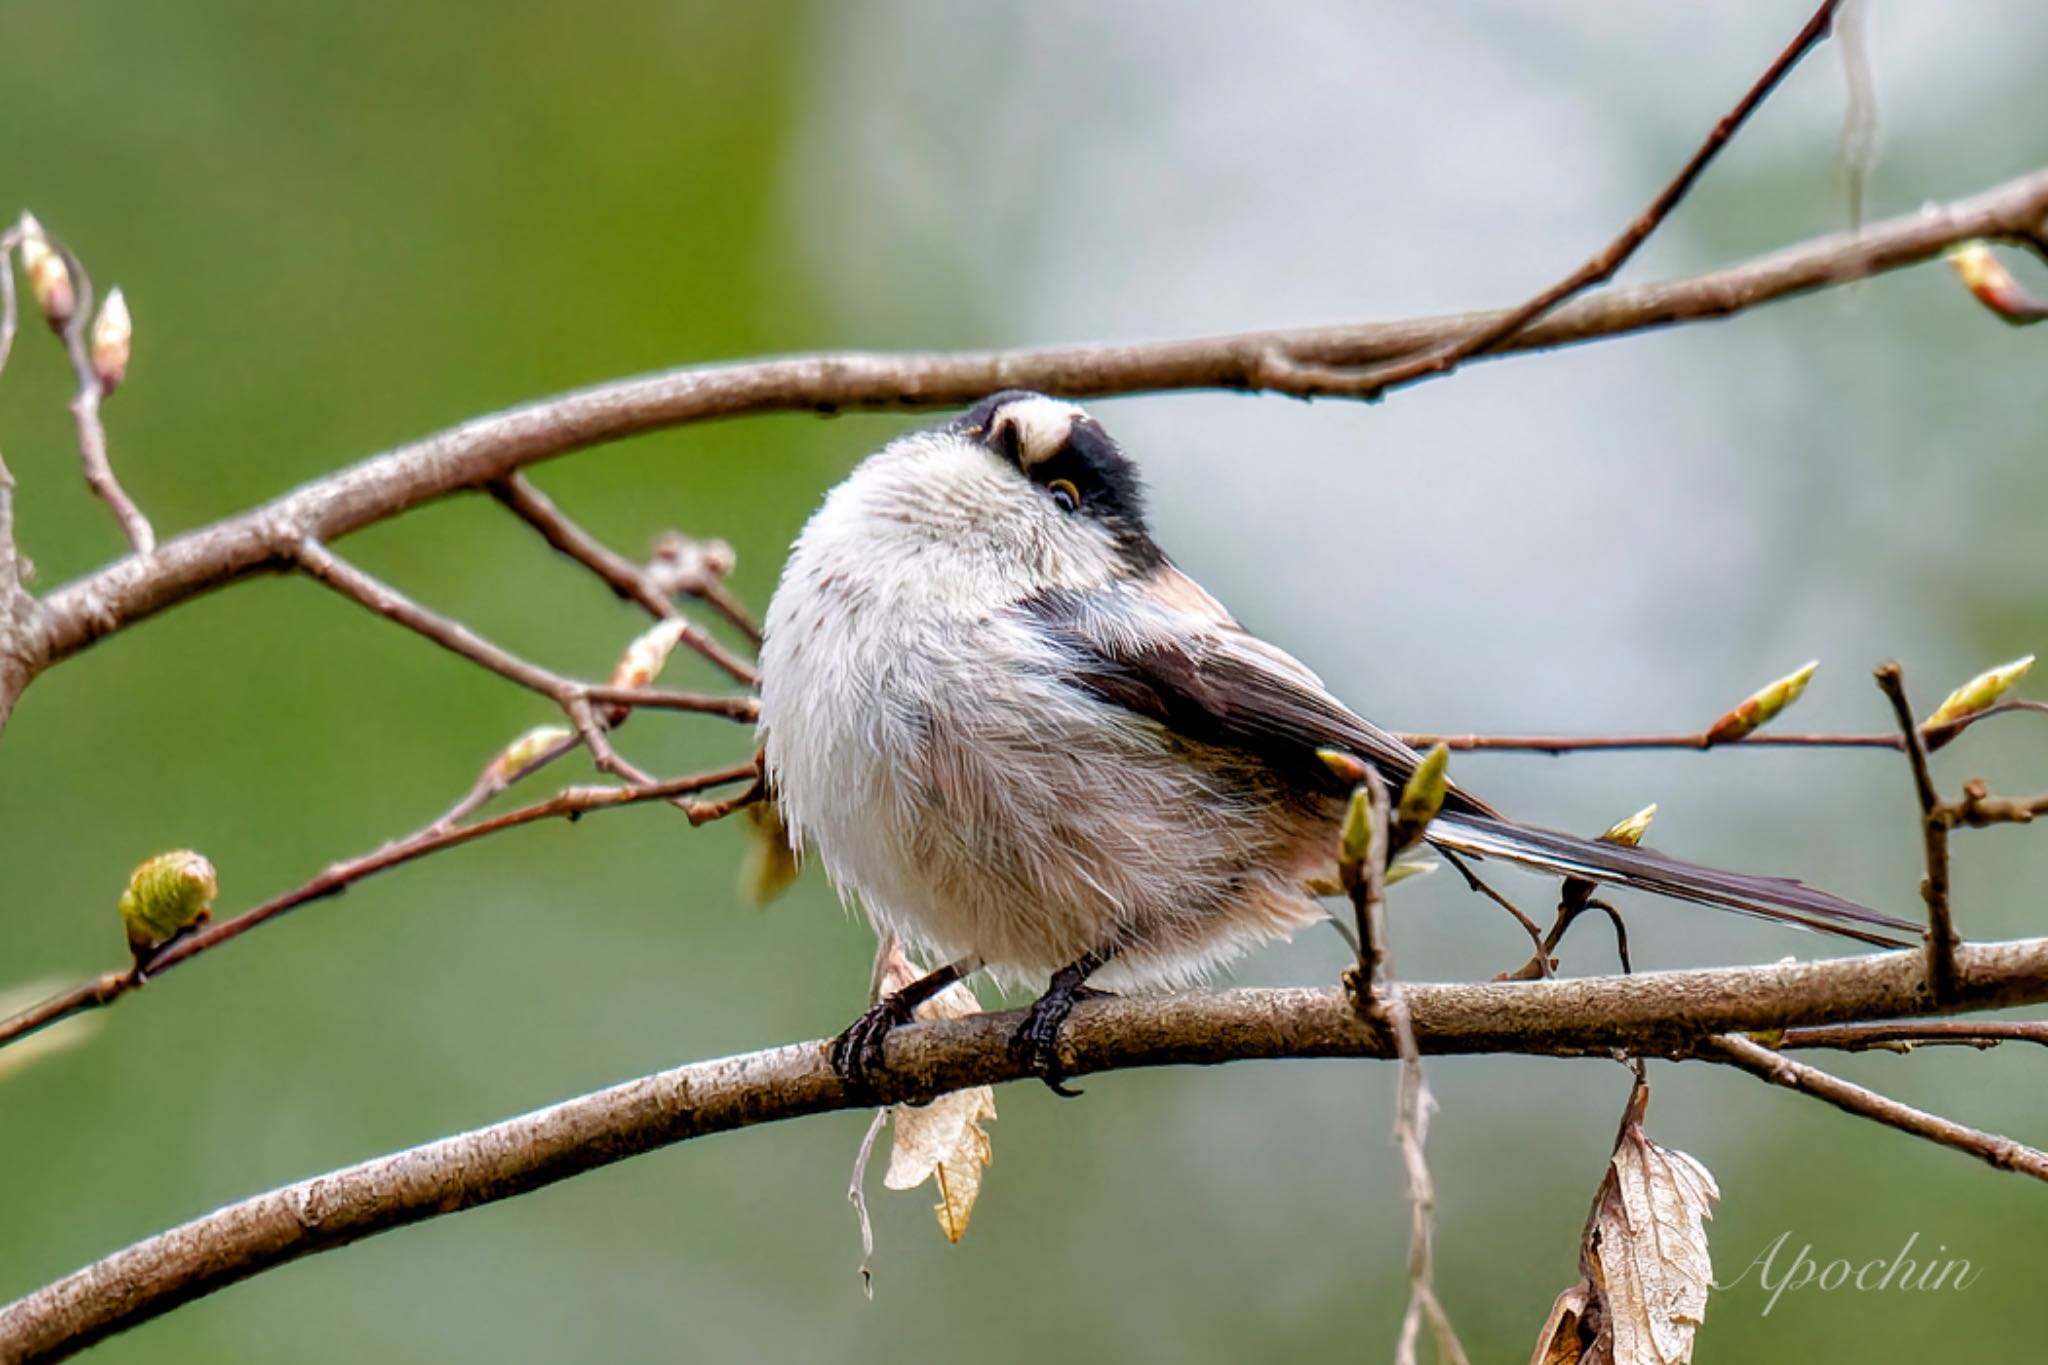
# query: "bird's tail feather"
1777 898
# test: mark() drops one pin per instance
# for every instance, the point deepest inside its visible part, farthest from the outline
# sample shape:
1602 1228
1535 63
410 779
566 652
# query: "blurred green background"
343 227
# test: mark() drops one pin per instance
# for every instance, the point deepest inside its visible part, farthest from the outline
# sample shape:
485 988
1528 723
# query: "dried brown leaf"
943 1140
1651 1244
1643 1262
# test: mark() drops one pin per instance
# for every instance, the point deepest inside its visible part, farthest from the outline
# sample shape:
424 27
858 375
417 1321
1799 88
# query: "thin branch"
575 698
21 618
1904 1037
1941 934
1662 1013
85 411
627 579
328 569
2000 1152
496 779
687 567
744 709
478 452
1931 736
1598 269
1979 808
570 803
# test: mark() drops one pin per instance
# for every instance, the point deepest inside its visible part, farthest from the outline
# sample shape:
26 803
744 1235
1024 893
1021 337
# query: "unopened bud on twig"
644 659
1424 795
167 895
1984 275
1630 832
1401 871
526 749
1347 767
1357 837
49 279
1980 693
112 333
1762 707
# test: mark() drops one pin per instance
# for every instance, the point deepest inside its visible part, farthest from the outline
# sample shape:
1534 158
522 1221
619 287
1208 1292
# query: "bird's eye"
1065 494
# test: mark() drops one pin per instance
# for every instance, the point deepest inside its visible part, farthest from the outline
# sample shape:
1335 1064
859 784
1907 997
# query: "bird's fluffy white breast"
920 733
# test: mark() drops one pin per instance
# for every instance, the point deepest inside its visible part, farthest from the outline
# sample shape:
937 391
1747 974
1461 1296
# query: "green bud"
1357 829
1980 693
1762 707
1346 766
1424 795
167 895
1630 832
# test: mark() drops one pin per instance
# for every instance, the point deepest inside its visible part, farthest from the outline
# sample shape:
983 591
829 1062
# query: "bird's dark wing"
1174 657
1160 654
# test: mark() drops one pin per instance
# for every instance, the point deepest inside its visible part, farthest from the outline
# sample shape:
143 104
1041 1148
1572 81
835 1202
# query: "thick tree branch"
490 448
1664 1013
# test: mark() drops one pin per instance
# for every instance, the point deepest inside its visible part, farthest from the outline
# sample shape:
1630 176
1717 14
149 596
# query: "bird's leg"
858 1051
1036 1044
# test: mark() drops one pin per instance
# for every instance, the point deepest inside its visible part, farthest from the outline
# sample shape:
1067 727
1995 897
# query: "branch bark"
1665 1013
480 452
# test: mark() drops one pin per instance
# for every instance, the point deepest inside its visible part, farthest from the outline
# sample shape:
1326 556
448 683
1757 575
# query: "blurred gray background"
343 228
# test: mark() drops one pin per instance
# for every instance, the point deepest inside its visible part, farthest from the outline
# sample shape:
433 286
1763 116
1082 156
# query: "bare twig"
85 411
20 616
569 803
1979 808
1382 1001
1941 934
495 779
1599 268
627 579
1905 1036
575 698
1539 966
1932 736
2000 1152
687 567
1651 1014
325 567
474 454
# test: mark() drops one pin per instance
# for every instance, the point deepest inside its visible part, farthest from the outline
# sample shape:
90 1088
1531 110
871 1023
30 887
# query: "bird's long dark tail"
1777 898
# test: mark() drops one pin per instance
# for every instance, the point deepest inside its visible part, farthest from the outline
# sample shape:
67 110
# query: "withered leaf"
943 1140
1643 1261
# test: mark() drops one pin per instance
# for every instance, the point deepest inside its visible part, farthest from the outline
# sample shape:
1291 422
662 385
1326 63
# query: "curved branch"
490 448
1666 1013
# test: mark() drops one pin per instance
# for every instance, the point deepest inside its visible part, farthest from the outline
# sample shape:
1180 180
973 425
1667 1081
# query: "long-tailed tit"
1027 742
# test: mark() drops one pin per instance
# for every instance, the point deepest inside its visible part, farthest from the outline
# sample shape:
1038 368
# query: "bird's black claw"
857 1052
1035 1045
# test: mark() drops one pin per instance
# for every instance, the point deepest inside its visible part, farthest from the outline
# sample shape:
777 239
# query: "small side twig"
85 411
1600 267
1382 1001
686 567
569 803
624 577
1941 935
1907 1035
1753 1057
1932 736
578 700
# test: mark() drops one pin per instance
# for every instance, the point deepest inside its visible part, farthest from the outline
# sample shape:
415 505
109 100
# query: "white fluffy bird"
1025 741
